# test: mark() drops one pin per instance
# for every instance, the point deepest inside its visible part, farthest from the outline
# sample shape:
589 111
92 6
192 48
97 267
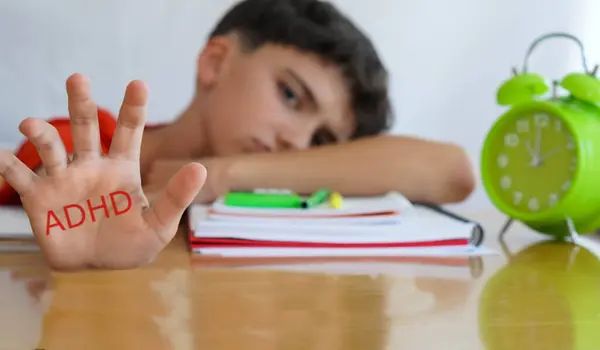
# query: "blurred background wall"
446 58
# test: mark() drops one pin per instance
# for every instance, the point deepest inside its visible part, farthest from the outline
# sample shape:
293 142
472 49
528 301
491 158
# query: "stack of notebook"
379 226
383 226
15 231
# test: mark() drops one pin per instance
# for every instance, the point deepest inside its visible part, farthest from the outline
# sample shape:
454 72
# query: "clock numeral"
505 182
566 185
541 120
552 199
511 140
573 166
570 143
517 197
558 125
523 126
502 160
533 204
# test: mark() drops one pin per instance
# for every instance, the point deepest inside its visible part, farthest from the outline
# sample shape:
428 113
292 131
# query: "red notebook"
364 227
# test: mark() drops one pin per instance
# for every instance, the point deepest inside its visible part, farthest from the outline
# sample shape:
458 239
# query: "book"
15 223
18 245
16 235
387 225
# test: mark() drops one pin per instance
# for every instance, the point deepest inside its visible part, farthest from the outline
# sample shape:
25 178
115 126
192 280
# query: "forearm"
420 170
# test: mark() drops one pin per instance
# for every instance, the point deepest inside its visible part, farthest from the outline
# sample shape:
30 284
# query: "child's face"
268 100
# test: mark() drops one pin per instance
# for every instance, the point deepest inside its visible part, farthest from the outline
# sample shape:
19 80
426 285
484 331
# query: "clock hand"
529 148
551 153
538 140
535 160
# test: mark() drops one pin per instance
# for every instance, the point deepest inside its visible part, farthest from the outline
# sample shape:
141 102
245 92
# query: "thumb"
164 214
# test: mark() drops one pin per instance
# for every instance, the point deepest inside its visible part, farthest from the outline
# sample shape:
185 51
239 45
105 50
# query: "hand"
161 171
551 153
538 140
75 220
530 150
535 152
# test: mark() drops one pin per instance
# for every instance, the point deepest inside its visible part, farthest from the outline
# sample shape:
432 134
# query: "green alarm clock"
540 162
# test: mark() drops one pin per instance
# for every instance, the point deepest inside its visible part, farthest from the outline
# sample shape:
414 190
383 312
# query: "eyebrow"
303 86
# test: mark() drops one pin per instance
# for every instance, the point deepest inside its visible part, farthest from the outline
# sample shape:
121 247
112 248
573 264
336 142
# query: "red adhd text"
76 214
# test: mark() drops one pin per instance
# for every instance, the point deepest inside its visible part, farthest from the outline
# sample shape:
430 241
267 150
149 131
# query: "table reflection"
326 303
546 297
26 296
280 310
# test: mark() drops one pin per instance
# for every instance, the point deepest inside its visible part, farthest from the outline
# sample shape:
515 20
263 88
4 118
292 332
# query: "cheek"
254 108
262 120
247 101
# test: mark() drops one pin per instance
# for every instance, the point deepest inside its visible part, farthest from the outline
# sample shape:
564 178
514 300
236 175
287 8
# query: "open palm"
91 212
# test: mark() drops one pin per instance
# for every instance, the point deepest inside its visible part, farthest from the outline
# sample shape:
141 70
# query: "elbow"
461 187
461 180
449 177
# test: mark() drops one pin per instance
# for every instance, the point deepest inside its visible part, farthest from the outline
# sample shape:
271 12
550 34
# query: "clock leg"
580 242
574 239
572 231
476 266
505 228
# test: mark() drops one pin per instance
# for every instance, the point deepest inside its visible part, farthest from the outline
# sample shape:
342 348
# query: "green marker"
263 200
315 199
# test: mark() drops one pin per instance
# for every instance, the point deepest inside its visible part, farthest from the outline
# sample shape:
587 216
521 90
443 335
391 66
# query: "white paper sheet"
14 223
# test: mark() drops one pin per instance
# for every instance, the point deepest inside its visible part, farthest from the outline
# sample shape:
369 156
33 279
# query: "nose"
295 138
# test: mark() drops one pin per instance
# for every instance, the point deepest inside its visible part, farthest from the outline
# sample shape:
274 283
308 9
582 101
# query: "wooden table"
544 296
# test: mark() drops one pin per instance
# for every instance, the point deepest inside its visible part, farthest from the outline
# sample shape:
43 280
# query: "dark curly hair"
319 27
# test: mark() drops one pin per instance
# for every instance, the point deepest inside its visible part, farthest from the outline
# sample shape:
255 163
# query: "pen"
315 199
263 200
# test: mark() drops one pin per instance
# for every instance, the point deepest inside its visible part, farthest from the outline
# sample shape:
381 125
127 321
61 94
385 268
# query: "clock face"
532 162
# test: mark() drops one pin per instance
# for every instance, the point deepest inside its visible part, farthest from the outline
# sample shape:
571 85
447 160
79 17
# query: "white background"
446 57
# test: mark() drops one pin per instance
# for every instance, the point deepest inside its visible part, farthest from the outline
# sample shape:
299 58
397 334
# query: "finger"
127 139
36 287
17 174
84 118
151 193
48 143
164 214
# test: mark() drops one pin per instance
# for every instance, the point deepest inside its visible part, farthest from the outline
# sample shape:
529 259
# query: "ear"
211 62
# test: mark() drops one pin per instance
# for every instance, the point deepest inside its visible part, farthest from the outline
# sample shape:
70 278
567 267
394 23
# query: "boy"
289 94
283 76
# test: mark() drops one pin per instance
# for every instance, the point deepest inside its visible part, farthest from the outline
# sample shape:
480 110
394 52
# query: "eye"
289 96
